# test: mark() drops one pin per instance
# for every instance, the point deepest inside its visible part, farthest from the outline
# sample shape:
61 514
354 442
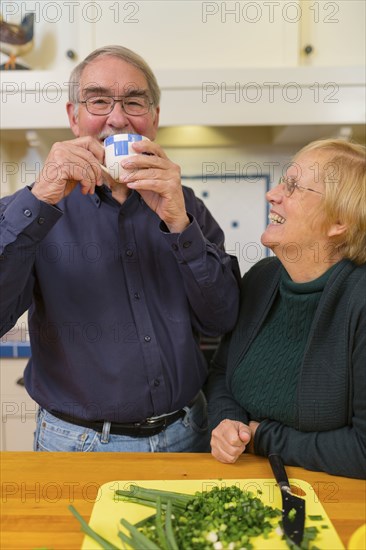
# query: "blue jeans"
187 435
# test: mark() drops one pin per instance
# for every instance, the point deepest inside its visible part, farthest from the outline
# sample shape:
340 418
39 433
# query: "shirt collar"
103 193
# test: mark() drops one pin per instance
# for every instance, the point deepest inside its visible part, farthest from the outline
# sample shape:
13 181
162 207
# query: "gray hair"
122 53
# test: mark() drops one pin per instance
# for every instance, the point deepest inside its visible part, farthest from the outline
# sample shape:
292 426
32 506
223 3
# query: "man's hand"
158 181
229 440
68 164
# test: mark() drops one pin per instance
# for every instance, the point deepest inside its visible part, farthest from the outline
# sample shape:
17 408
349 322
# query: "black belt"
146 428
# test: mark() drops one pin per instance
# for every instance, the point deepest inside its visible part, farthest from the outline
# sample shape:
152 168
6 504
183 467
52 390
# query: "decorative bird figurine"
16 40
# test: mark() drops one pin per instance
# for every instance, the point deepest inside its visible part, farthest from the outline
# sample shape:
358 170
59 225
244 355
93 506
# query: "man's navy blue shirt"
116 302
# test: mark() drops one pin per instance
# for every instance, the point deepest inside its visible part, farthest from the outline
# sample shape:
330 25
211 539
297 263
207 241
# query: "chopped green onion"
143 542
105 544
292 514
222 518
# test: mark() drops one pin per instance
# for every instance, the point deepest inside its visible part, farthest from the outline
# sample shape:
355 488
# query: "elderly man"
120 277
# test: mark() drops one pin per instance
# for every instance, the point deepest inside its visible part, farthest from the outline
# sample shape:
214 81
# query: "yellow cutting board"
358 539
108 511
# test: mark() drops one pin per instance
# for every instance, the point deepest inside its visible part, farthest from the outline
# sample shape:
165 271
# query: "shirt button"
136 296
27 212
147 338
156 382
174 246
41 221
129 253
187 244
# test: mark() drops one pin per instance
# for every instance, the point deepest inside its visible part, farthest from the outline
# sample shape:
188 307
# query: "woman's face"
295 231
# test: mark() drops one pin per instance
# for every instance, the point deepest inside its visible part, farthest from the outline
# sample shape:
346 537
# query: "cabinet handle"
71 54
308 49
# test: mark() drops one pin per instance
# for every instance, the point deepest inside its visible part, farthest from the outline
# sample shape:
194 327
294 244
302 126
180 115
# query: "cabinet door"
333 32
195 35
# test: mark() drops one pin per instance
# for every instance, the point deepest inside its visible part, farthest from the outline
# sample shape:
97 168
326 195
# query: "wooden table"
38 487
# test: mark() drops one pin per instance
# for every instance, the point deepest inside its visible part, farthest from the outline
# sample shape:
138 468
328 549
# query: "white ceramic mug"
117 148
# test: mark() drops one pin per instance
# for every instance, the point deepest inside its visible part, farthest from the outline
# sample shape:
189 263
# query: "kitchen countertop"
38 487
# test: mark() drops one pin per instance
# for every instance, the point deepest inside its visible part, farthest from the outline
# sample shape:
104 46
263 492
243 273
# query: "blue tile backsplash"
15 349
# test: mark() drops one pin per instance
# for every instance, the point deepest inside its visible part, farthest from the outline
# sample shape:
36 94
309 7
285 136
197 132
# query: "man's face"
113 77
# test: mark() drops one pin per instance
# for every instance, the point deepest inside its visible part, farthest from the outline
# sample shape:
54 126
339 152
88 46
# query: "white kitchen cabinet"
169 34
218 63
333 33
236 34
18 410
197 34
202 35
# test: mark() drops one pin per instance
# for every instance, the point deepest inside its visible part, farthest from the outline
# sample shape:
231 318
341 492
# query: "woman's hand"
253 425
229 440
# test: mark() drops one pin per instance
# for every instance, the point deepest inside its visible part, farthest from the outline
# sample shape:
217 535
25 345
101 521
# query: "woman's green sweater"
326 428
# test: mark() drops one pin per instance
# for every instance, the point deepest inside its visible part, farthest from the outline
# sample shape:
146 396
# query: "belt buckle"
152 426
154 421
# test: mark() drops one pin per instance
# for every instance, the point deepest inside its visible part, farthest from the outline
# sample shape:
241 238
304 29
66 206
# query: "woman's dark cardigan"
331 393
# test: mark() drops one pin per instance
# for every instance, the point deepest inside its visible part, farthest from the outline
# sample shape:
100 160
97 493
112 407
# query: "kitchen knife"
293 507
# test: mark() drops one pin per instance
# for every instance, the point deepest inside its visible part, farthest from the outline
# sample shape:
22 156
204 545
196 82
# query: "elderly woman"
291 377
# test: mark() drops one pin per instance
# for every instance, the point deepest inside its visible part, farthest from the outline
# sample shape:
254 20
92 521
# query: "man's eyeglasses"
132 105
290 184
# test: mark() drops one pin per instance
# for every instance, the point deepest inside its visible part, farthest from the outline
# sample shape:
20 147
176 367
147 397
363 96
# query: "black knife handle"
279 470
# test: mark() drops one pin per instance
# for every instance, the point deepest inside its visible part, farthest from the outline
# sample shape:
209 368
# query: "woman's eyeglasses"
290 184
